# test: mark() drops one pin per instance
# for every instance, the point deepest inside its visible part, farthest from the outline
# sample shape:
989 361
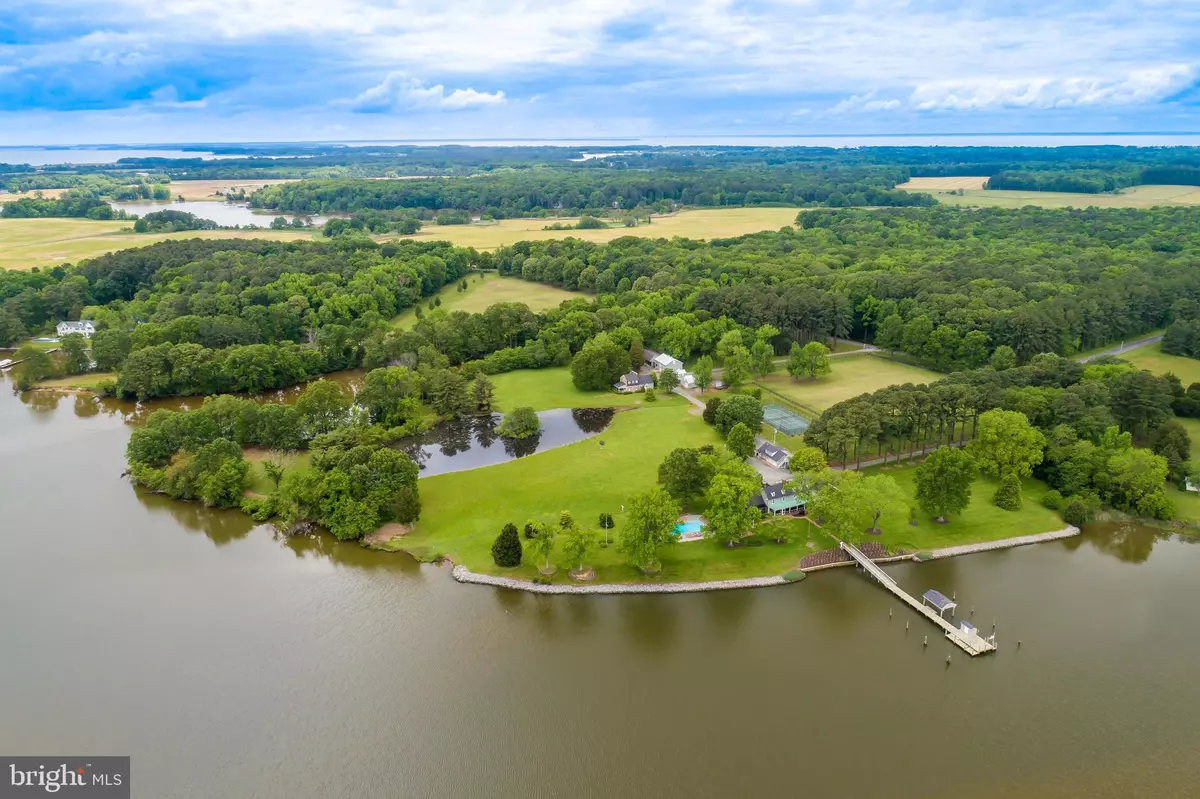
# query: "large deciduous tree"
811 360
1006 443
944 482
599 364
649 524
738 408
730 515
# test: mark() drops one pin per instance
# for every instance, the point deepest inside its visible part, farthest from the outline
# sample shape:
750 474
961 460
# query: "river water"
224 214
229 663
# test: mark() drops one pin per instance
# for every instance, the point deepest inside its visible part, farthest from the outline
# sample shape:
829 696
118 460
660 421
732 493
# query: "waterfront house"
633 382
84 327
778 499
772 455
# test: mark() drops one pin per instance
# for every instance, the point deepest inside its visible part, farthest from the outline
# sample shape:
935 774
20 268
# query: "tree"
637 354
391 396
650 524
599 364
740 441
519 423
807 459
484 391
737 367
506 549
703 372
577 541
543 545
12 329
710 410
944 482
1003 358
738 408
730 514
448 394
110 348
273 467
668 379
811 360
890 333
762 358
1140 400
683 475
606 524
1008 495
845 502
76 359
1005 442
322 407
1171 441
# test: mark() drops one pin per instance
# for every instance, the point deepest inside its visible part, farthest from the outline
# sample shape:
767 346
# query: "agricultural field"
697 224
1151 358
850 376
207 189
982 520
26 243
545 389
485 290
464 511
944 184
1133 197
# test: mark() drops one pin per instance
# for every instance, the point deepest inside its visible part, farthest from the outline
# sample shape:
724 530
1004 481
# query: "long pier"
971 644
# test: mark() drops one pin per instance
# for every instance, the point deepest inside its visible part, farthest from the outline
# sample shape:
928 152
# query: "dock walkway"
972 645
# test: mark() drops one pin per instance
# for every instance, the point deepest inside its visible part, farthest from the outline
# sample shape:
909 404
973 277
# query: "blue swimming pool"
689 527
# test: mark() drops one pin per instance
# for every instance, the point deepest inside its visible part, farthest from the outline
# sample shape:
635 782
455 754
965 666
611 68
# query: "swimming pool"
684 528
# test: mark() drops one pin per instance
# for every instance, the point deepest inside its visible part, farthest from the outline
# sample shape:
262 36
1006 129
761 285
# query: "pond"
228 662
470 443
224 214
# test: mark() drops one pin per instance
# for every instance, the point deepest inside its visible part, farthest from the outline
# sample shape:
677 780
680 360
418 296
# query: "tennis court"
783 420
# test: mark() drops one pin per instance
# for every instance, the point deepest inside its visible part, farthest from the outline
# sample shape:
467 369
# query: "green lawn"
850 376
464 511
544 389
1151 358
259 483
485 290
982 521
89 381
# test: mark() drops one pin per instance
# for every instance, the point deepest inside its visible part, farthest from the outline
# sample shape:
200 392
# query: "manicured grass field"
1133 197
485 290
464 511
850 376
706 223
544 389
26 243
1153 359
982 521
89 381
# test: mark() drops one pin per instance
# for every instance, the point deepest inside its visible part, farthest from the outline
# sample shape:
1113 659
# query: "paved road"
1125 347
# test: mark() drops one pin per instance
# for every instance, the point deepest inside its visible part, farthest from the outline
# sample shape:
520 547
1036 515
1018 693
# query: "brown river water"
228 663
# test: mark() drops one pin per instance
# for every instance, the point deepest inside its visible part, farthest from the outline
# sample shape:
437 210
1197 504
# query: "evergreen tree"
1008 495
506 549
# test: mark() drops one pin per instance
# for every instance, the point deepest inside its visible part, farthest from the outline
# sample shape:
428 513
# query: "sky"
145 71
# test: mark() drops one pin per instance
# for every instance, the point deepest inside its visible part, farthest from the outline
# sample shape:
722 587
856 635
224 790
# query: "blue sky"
275 70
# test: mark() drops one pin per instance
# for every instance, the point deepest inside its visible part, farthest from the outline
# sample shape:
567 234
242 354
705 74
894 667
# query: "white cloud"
1138 87
168 97
401 92
864 103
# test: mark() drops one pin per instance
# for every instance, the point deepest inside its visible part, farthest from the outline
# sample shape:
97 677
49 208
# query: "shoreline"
464 575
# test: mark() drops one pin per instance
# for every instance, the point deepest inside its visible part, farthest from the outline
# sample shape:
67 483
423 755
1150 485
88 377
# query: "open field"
545 389
943 184
698 224
88 381
1151 358
54 193
982 521
207 189
1133 197
26 243
485 290
464 511
851 376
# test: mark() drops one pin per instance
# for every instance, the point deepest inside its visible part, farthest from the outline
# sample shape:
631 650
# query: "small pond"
224 214
470 443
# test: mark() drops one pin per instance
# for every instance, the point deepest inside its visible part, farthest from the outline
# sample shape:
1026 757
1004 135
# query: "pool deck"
698 535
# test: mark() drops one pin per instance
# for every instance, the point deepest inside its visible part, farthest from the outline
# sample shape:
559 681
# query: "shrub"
1053 500
1077 512
506 550
520 423
794 576
530 530
1008 495
651 396
710 410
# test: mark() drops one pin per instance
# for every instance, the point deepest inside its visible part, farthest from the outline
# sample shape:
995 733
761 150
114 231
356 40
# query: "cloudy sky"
272 70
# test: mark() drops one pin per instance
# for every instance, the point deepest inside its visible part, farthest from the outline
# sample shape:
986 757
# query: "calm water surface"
226 214
229 663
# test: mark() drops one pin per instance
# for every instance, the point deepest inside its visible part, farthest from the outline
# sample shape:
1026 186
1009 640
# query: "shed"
773 455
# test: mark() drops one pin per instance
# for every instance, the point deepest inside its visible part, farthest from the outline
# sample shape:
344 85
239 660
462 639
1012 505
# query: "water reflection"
469 443
1125 541
347 553
222 527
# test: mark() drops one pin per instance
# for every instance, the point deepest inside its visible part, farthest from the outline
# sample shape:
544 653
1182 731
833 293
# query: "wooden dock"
971 644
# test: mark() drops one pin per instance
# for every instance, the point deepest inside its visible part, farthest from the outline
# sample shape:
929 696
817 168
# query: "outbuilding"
775 456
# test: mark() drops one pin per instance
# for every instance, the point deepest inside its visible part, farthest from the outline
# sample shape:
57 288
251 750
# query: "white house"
664 361
633 382
773 455
85 327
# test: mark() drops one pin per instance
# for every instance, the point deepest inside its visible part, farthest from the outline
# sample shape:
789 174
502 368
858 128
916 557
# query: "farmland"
484 291
1133 197
850 376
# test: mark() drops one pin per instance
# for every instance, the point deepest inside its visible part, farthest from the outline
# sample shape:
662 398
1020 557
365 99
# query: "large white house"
664 361
85 327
